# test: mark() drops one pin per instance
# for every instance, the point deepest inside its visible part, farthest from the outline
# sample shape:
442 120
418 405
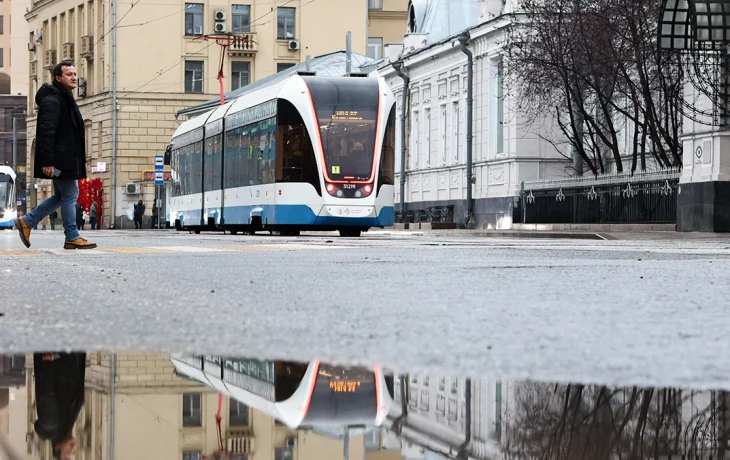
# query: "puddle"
132 405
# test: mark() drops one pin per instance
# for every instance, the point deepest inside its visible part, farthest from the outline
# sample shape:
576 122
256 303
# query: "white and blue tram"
8 208
295 393
306 153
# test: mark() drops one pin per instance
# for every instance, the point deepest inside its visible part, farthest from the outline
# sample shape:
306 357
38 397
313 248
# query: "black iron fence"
441 214
643 198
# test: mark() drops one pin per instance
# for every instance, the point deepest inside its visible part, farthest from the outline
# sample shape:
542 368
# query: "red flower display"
90 190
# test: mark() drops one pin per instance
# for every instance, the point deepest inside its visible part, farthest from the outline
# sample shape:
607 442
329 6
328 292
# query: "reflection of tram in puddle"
297 394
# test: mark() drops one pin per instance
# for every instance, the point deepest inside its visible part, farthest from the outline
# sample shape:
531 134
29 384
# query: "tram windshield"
347 111
6 200
342 394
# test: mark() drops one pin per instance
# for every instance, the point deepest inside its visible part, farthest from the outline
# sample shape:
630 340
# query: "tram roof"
327 65
8 170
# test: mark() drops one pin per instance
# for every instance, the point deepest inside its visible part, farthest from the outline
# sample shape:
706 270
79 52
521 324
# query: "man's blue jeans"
66 192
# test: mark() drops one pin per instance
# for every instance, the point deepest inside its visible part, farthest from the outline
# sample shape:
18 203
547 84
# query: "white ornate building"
506 151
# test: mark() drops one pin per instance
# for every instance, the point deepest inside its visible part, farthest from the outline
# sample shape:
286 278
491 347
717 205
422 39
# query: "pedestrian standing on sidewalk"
92 215
60 155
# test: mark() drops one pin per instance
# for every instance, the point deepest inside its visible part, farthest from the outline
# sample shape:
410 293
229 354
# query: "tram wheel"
350 233
197 232
234 232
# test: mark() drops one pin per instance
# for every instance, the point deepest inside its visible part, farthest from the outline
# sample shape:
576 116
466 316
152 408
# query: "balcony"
49 60
246 46
240 441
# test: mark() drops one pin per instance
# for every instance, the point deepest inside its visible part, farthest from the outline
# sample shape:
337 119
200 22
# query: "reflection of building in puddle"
339 404
495 419
437 411
13 401
156 413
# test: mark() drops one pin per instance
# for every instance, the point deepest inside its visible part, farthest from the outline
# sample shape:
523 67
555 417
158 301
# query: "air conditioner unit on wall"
220 27
291 442
220 16
132 189
293 45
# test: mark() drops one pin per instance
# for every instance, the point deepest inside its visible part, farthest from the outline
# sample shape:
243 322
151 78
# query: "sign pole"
159 183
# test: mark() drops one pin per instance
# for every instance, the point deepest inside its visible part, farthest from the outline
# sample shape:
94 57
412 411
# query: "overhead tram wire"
166 70
200 50
115 26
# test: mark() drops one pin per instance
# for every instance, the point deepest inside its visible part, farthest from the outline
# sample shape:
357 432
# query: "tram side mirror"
168 155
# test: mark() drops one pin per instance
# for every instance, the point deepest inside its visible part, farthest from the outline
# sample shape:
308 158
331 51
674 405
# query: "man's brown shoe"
24 231
79 243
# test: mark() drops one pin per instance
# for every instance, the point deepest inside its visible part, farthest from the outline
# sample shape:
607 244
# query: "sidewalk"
563 231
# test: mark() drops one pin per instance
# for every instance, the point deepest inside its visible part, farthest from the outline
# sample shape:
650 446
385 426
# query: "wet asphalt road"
648 311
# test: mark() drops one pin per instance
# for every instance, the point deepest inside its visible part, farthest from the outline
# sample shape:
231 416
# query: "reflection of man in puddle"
59 389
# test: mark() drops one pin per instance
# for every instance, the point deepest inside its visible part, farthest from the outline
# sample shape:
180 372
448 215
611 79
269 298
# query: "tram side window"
267 150
250 154
296 161
387 156
184 170
217 172
208 169
198 168
213 163
232 152
175 169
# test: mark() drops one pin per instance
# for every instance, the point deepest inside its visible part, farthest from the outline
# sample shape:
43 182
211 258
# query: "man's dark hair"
58 70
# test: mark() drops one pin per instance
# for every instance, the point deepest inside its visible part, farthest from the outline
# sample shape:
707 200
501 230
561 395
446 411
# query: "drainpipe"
398 422
463 39
348 54
398 67
111 405
114 115
467 422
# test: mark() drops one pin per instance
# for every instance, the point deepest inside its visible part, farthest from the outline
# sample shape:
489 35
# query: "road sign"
159 162
159 178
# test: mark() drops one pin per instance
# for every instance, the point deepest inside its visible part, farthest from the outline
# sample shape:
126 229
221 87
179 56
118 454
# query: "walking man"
60 155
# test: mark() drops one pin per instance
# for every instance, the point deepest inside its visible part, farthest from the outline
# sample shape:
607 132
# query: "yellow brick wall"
139 372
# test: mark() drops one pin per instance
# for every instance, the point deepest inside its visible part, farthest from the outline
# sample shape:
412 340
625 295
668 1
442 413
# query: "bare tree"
593 65
571 422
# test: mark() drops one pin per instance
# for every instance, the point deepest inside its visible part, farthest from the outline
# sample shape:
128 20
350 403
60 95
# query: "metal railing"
649 197
433 214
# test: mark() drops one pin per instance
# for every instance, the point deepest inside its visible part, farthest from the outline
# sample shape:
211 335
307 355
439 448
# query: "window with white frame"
240 74
415 137
500 107
455 132
241 18
375 48
193 76
443 128
193 19
427 138
192 409
285 18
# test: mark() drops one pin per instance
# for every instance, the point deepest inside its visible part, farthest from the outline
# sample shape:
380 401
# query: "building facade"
506 150
435 423
159 414
162 63
5 49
